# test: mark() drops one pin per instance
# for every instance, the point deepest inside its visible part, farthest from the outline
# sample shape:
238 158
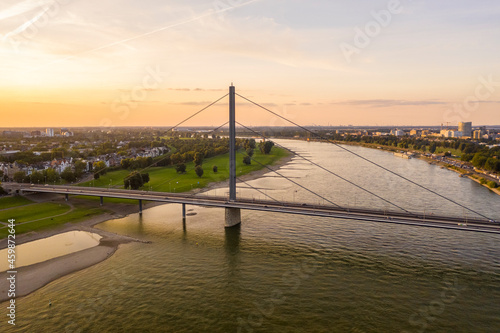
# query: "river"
288 273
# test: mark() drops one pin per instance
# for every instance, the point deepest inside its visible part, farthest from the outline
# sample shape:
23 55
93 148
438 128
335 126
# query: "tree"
180 168
100 167
215 169
265 147
19 176
432 148
125 163
79 168
492 164
479 160
36 177
68 175
249 152
135 180
198 158
199 170
176 158
247 160
251 143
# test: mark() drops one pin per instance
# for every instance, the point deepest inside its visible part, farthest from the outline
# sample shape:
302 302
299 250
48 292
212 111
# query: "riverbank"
33 277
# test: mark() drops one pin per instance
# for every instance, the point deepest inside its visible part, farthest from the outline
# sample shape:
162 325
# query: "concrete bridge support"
102 201
140 207
183 211
66 197
233 217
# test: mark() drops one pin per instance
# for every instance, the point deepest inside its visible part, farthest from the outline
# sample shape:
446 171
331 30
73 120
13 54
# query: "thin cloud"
179 89
385 103
166 27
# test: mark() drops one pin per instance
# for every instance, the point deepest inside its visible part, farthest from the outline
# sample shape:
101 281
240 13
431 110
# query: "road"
447 222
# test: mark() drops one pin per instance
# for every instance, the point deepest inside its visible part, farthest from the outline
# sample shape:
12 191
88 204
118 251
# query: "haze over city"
128 63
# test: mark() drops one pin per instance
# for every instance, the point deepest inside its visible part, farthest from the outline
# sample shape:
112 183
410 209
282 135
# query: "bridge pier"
102 201
66 197
183 211
233 217
140 207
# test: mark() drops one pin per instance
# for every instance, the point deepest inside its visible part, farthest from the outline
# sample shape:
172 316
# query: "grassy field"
442 150
45 214
33 212
166 179
9 202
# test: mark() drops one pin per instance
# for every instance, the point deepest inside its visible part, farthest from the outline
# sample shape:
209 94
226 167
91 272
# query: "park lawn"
166 179
80 213
33 212
454 152
9 202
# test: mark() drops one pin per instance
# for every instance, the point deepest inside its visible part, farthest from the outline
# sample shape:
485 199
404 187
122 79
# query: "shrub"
181 168
492 184
199 170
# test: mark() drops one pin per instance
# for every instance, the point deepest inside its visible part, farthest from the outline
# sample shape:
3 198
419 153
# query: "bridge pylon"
233 215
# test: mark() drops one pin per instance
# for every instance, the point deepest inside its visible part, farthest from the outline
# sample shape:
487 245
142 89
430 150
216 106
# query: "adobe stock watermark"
459 112
130 100
364 36
428 313
31 27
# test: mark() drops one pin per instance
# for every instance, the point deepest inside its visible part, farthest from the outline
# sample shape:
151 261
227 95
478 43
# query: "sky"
69 63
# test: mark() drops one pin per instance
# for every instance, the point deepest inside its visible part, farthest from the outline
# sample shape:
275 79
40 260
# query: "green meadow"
38 216
166 179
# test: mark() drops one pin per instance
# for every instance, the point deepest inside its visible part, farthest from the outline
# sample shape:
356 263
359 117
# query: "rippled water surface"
288 273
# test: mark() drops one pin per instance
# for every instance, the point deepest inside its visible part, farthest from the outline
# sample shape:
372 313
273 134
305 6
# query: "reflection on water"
51 247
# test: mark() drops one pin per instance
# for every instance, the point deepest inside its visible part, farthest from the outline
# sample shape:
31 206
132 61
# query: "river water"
288 273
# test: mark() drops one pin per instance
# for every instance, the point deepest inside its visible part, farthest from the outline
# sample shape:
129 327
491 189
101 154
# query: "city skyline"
385 63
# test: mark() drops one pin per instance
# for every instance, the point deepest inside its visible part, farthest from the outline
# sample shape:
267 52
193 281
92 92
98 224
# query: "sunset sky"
317 62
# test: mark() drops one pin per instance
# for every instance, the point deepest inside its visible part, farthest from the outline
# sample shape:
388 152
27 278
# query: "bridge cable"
177 125
169 180
331 172
366 159
267 195
290 180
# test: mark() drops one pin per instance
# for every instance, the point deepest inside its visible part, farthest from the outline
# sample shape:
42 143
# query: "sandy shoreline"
31 278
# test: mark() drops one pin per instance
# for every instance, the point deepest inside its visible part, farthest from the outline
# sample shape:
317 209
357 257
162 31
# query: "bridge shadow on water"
232 242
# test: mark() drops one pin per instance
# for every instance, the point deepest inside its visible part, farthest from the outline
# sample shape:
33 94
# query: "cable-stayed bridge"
479 222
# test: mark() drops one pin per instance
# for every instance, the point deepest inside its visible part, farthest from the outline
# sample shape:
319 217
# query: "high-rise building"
49 132
465 128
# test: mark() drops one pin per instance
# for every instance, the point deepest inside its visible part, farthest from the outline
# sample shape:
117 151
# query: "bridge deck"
470 224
